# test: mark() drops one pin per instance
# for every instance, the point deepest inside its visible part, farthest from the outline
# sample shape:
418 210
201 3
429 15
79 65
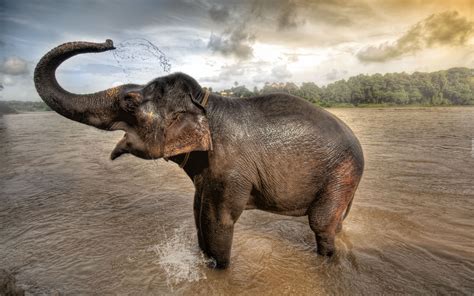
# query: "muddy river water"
73 222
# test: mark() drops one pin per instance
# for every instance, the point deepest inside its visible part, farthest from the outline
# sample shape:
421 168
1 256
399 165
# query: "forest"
454 86
12 107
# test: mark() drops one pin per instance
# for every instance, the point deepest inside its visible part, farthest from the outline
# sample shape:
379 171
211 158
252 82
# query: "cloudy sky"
220 42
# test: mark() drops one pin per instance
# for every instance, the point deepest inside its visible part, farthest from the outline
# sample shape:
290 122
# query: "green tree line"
454 86
5 109
9 107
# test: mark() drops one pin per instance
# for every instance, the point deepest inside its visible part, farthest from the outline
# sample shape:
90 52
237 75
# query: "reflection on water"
72 221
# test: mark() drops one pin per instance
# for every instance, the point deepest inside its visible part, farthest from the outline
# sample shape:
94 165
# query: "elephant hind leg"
327 211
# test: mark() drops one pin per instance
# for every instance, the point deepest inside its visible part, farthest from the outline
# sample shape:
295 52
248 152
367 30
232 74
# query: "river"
74 222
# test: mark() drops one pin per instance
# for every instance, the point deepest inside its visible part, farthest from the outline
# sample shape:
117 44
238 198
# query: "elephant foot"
218 265
325 245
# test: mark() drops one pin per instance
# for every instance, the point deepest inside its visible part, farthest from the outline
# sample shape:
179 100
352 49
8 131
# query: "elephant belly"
289 191
295 204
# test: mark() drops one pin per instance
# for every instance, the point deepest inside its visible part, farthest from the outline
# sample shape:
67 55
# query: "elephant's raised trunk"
99 109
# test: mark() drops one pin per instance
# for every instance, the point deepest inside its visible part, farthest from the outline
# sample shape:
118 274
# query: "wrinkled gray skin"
274 152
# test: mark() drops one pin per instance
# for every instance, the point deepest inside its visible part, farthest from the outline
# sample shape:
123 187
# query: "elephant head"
161 119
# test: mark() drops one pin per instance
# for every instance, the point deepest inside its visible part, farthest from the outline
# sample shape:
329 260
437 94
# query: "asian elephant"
273 152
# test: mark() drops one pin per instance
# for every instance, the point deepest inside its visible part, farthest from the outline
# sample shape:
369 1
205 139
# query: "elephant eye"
131 100
152 92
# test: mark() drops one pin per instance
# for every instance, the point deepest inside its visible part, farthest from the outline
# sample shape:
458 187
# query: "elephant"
272 152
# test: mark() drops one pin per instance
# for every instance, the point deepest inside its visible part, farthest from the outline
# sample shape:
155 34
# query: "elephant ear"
187 132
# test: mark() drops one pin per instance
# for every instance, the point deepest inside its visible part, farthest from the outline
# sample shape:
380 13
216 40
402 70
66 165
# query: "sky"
220 43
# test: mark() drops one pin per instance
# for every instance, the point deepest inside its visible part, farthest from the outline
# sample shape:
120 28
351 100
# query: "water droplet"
140 54
180 258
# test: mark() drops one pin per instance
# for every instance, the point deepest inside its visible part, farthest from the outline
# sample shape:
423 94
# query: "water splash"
180 258
141 55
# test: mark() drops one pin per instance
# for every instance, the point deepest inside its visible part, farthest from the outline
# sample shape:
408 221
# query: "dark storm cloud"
288 18
447 28
237 42
240 29
219 14
282 22
236 35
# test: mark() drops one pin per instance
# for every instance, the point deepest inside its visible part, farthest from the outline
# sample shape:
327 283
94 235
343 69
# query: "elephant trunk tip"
109 44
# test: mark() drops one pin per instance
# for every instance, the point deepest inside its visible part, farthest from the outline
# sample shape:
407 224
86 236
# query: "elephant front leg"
197 220
221 204
217 233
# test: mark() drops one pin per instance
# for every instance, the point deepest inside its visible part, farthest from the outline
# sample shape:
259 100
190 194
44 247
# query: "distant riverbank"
6 109
15 107
393 106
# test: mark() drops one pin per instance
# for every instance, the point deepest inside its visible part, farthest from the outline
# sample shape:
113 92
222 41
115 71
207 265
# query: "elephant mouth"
120 149
132 143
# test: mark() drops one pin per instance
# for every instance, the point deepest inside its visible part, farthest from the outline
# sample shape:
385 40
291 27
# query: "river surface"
73 222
